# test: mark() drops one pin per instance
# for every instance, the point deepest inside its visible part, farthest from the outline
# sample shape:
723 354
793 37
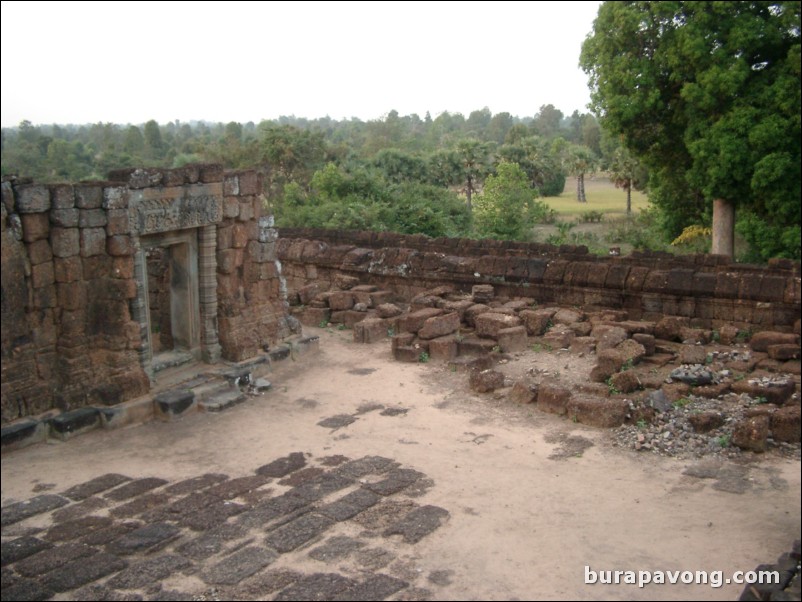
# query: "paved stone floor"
215 537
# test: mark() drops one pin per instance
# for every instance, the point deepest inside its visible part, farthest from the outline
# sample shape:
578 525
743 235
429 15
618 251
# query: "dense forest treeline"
451 175
404 173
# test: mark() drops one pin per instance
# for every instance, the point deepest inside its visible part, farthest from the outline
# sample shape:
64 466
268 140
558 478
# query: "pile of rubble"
670 387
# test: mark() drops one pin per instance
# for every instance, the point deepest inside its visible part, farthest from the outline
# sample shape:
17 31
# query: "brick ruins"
80 327
107 283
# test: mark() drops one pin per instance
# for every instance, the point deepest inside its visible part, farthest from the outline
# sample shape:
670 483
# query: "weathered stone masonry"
707 289
74 279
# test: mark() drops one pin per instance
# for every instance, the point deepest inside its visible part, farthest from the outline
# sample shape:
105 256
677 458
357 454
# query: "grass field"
602 196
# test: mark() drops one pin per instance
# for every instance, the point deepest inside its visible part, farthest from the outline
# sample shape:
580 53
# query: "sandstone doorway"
171 294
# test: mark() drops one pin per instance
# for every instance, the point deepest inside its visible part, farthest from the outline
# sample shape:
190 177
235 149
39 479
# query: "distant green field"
602 196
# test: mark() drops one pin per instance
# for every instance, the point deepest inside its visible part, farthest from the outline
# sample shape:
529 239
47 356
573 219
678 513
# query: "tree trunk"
468 191
579 188
629 199
723 228
581 185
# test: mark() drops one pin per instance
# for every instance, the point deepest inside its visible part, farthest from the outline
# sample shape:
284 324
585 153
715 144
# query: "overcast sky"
128 62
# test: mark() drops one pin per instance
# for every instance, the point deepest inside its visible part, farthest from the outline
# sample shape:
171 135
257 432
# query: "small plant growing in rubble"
391 332
340 326
549 325
724 440
716 336
682 402
627 365
496 349
323 324
641 424
423 357
611 388
743 336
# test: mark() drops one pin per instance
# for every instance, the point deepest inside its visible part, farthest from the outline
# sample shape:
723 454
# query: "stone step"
170 359
222 400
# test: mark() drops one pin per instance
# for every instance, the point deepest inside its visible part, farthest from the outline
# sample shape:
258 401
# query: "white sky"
128 62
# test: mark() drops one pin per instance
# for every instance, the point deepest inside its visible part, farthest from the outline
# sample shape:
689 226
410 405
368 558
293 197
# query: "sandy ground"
532 498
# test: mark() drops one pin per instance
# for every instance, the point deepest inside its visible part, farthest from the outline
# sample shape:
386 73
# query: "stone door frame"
178 215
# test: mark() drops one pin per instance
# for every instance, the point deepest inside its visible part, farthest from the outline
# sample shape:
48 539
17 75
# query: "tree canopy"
708 94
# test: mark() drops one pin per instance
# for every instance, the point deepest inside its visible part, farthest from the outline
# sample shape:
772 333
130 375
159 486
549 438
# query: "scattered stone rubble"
668 387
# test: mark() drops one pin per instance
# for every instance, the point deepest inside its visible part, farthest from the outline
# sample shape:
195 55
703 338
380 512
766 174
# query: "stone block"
486 381
601 413
64 218
406 353
92 218
308 292
341 300
523 393
42 275
33 198
475 346
443 348
625 382
482 293
647 340
344 282
414 321
751 433
583 345
704 422
568 316
380 298
74 422
761 341
62 196
388 310
65 242
117 222
728 334
670 328
21 434
783 352
174 402
512 339
93 241
774 390
559 337
119 245
785 424
89 196
370 330
608 336
35 226
115 198
72 296
403 339
692 354
489 324
470 314
537 321
553 399
438 326
348 317
315 316
228 260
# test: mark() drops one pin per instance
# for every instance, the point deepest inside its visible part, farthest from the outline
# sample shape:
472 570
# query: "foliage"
423 357
708 95
506 209
694 237
591 216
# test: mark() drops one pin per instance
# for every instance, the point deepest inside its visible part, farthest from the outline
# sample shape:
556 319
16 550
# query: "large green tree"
708 93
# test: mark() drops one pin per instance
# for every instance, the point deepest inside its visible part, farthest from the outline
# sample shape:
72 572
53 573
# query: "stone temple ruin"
107 284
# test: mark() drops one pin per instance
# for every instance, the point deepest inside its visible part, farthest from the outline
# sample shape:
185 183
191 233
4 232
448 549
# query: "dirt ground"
532 498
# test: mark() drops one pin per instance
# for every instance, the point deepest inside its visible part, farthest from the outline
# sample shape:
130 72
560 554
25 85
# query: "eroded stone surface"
212 534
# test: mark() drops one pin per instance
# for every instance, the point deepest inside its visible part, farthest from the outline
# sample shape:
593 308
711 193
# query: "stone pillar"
139 307
207 284
723 228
